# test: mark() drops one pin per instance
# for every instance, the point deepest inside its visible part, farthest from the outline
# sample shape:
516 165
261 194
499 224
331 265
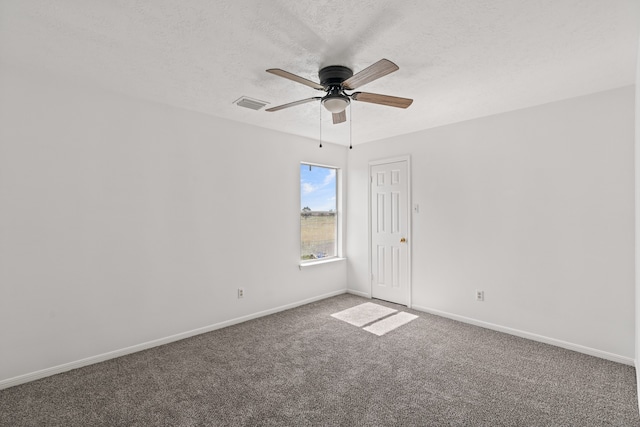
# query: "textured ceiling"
458 59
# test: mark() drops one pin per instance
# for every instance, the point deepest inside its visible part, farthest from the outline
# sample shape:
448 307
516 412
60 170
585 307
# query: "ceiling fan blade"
374 98
288 75
293 104
369 74
340 117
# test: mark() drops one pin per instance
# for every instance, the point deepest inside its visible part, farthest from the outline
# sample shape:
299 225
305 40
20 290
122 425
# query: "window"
318 212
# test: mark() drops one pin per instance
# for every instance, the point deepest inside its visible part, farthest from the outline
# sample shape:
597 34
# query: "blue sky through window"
317 188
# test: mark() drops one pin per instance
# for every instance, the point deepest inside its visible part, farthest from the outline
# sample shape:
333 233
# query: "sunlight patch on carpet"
378 319
390 323
362 314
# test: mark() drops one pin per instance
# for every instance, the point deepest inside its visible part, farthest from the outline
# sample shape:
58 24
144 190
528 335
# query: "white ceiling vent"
247 102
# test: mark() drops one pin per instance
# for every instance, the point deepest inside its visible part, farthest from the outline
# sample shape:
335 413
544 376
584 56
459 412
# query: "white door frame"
372 163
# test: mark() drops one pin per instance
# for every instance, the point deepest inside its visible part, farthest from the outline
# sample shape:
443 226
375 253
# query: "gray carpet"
303 367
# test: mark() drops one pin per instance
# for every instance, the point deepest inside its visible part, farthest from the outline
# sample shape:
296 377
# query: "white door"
389 232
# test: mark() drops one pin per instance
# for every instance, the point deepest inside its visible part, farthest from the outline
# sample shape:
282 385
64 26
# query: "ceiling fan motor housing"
334 75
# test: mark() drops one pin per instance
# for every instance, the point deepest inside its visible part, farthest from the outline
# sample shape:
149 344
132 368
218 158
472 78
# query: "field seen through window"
318 235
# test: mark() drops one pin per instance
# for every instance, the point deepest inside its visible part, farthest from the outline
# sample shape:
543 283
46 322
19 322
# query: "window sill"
320 261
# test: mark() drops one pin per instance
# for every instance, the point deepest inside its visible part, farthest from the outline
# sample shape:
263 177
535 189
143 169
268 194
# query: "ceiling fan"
335 79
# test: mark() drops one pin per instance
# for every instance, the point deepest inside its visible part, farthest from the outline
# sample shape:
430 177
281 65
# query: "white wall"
535 207
124 221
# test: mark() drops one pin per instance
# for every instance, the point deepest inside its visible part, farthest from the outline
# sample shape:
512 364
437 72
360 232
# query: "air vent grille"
247 102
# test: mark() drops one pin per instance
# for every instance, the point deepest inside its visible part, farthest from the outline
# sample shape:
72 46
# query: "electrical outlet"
240 292
479 295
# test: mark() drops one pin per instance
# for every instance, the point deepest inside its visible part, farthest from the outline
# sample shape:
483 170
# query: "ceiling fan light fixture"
335 104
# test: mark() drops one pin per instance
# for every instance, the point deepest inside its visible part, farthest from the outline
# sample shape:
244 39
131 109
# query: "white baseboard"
25 378
359 293
534 337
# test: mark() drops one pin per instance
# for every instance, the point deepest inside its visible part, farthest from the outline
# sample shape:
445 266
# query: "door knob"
403 240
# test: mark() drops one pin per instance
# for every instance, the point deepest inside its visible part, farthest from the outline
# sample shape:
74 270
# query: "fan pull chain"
320 125
350 127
